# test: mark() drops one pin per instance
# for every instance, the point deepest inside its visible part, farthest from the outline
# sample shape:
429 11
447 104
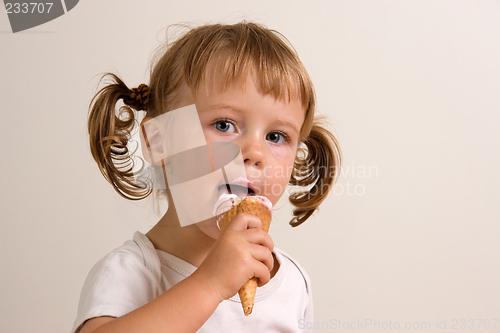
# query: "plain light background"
410 234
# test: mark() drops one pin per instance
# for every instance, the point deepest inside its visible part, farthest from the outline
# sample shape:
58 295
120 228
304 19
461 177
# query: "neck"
188 243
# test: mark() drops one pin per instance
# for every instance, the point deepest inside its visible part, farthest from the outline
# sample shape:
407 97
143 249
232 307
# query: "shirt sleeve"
117 284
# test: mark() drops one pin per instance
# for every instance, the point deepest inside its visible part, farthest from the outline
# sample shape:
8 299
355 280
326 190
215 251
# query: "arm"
183 308
241 252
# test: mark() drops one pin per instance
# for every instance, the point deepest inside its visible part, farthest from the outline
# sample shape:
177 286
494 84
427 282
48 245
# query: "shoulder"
133 255
290 263
128 252
293 277
123 280
130 270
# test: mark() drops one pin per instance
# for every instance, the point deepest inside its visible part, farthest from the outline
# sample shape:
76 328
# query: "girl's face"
267 131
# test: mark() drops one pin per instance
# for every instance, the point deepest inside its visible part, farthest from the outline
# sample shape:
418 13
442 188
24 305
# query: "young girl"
249 88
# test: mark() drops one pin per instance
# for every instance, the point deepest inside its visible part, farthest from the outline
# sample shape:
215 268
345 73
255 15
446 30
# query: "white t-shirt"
135 273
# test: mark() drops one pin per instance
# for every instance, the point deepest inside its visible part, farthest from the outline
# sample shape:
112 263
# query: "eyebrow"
289 124
224 106
239 110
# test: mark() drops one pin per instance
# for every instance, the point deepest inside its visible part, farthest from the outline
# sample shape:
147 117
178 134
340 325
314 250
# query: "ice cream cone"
254 206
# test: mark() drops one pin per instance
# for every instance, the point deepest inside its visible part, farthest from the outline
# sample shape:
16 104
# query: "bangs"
228 57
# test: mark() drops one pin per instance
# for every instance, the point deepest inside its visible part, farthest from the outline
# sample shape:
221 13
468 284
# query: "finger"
262 254
260 237
262 273
244 221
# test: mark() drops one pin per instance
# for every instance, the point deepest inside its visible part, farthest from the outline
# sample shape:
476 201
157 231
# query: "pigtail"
318 164
109 133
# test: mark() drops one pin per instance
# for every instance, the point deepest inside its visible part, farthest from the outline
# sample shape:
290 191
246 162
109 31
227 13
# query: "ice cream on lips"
227 201
232 194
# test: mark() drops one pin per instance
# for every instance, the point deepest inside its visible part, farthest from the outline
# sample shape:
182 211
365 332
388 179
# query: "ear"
152 141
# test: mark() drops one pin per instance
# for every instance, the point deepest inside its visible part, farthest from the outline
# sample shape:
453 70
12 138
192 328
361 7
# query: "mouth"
239 190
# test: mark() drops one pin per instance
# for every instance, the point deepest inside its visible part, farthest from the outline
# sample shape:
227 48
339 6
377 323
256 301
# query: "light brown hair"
238 48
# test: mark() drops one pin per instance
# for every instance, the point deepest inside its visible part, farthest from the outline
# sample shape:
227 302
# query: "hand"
241 252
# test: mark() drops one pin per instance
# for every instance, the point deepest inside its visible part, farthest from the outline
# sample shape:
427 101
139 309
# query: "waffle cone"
255 207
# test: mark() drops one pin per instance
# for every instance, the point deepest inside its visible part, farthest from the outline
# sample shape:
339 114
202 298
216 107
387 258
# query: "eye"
224 125
277 137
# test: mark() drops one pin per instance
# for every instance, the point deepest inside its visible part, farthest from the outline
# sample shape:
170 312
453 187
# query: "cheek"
284 154
277 177
281 164
209 137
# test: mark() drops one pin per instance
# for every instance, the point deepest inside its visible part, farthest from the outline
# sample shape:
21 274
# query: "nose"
252 151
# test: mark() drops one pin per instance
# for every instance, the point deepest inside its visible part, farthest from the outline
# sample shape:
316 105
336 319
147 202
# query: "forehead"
218 77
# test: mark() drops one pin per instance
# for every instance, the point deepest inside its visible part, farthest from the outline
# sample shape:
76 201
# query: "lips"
240 186
240 191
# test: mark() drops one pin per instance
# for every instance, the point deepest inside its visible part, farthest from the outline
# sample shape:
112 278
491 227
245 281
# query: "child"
249 88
